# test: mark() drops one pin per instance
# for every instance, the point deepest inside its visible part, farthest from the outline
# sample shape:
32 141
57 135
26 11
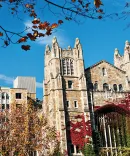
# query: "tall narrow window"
90 86
120 88
67 104
105 87
75 104
115 87
71 67
95 86
7 96
68 67
7 106
104 72
3 95
70 84
3 106
64 67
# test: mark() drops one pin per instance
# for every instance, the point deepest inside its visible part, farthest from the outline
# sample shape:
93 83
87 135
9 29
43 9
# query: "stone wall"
113 76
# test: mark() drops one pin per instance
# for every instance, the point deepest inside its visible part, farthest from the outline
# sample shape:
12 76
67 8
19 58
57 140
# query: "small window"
70 84
95 86
3 106
7 96
67 104
18 95
120 88
105 87
75 104
3 95
104 73
90 86
115 87
7 106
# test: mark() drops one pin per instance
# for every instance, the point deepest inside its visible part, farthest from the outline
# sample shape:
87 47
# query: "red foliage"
80 131
122 107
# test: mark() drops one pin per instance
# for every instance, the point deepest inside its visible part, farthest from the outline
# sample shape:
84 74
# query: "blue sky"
99 38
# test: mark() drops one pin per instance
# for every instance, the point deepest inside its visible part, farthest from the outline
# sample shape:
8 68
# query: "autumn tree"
68 10
81 134
24 130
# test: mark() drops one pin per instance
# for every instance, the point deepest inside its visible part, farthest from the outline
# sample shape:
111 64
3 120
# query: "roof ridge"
106 62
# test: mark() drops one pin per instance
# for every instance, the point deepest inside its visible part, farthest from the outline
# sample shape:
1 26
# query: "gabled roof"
102 61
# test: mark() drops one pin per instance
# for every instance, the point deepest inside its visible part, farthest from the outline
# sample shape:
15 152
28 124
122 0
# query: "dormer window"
68 67
104 73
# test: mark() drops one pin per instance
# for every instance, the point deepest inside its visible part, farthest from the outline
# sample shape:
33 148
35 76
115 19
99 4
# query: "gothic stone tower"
123 62
65 94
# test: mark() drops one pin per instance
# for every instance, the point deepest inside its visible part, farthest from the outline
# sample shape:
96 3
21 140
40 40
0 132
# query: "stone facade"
65 94
10 96
28 83
70 89
101 74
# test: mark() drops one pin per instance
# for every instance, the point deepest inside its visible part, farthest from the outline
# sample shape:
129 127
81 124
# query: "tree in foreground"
81 135
24 130
67 10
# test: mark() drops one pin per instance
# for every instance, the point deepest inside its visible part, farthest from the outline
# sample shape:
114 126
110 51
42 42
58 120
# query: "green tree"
88 150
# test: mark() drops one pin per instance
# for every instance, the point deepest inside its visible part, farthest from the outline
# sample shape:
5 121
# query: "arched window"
95 86
104 72
105 87
115 87
68 67
90 86
120 88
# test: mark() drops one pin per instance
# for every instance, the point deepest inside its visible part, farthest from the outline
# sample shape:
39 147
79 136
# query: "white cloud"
59 33
6 79
9 80
39 85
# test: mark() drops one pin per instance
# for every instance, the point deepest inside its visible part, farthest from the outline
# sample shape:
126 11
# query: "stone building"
10 96
28 83
70 89
65 94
